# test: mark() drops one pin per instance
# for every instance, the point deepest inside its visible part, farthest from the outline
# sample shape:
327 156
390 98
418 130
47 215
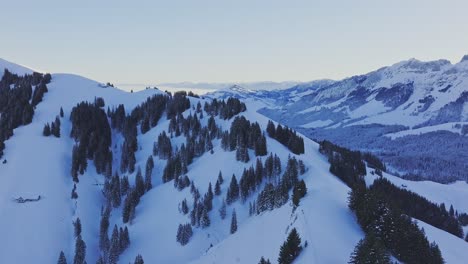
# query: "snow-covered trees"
91 131
77 227
149 173
80 251
399 234
233 191
62 259
139 260
233 222
163 147
287 137
119 241
226 110
104 242
184 207
15 106
184 233
46 131
370 250
242 136
299 191
114 249
291 248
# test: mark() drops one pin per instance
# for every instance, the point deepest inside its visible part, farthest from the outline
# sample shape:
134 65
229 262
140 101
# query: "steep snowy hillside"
161 170
12 67
426 99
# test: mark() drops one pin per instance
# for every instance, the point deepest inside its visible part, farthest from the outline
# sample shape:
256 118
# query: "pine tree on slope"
62 259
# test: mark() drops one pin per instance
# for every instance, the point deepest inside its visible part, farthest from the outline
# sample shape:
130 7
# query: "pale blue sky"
220 41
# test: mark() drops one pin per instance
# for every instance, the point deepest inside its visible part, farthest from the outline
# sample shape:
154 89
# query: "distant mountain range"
427 99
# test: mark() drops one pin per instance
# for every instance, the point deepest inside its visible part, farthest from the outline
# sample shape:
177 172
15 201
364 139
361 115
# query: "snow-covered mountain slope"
36 232
408 98
14 68
38 165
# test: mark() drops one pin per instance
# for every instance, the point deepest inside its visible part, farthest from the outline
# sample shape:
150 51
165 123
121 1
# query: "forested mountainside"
413 115
155 177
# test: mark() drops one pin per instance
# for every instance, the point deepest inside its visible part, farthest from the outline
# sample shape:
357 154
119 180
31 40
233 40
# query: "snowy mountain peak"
465 58
421 66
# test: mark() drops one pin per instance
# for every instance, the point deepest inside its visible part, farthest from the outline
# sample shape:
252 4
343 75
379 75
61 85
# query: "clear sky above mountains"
151 42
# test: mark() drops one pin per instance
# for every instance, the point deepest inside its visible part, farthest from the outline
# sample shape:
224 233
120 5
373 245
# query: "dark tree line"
400 235
417 206
17 101
92 135
377 216
225 110
287 137
244 135
349 166
344 163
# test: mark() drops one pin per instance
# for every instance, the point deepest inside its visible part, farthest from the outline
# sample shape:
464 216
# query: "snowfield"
36 232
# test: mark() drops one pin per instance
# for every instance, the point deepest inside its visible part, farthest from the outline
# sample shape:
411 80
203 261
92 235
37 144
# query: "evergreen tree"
222 210
56 130
139 183
80 251
291 248
233 191
205 219
263 261
139 259
220 178
77 227
233 221
46 131
299 191
184 232
209 193
184 206
104 242
62 259
124 185
370 250
149 172
61 112
115 191
114 249
217 190
124 239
